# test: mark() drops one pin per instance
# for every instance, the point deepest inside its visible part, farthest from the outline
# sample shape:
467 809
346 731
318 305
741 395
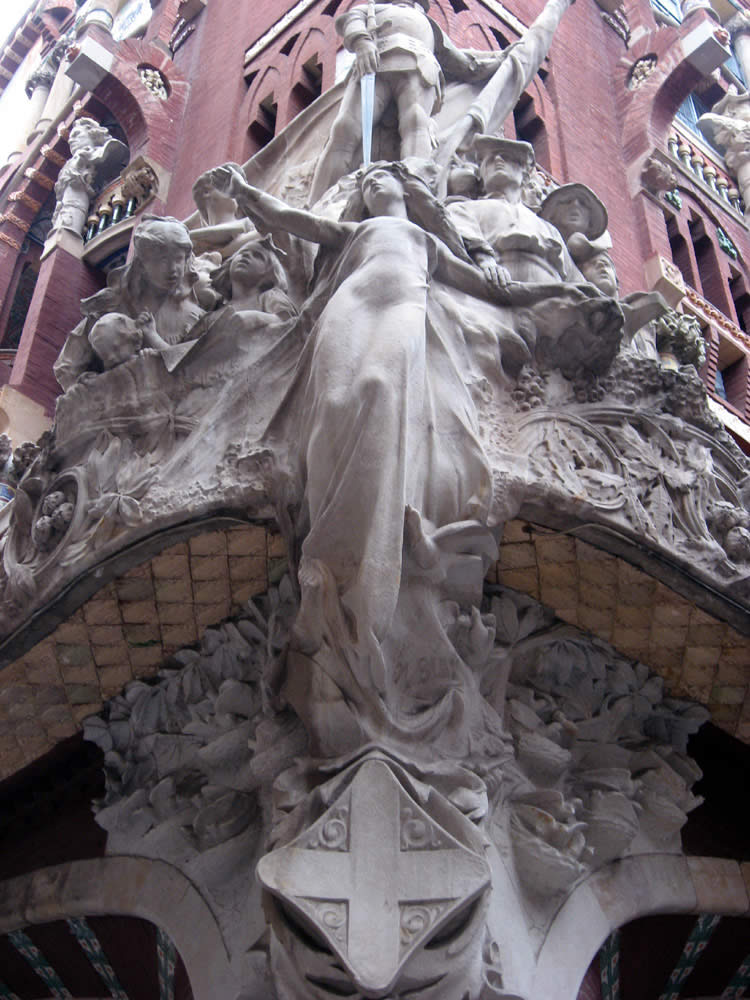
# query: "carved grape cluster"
56 514
531 389
589 389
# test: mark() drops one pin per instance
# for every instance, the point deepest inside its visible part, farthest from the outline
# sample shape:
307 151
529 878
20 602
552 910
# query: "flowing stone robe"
383 420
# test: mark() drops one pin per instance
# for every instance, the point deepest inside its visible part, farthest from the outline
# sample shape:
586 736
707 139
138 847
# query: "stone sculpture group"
419 765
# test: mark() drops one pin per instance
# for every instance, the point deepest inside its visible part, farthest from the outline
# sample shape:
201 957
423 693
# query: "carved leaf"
659 508
23 516
103 463
129 511
506 618
21 586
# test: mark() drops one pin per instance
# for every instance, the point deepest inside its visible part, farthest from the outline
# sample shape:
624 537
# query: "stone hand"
229 180
495 274
146 324
368 59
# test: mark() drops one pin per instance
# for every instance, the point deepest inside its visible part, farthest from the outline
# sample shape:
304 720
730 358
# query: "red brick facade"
234 81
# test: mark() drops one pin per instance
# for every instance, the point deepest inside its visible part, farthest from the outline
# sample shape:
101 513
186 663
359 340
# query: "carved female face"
381 188
163 254
572 216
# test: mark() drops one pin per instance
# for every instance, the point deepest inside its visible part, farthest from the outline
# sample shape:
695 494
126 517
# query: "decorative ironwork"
700 935
95 954
28 950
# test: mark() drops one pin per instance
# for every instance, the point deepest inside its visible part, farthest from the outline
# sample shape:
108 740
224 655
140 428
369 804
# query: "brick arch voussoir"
152 126
270 77
313 41
61 5
473 34
649 110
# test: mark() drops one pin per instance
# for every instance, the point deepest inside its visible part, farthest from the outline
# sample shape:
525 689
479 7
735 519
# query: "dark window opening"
308 87
289 44
500 38
114 128
712 283
530 128
680 253
263 129
733 377
741 299
458 6
20 307
332 7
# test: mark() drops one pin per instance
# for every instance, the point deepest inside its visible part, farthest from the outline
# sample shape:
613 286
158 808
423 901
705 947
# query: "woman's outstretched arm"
273 213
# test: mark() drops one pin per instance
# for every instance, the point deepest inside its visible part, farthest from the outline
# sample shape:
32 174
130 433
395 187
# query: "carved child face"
600 271
463 180
164 263
115 338
250 266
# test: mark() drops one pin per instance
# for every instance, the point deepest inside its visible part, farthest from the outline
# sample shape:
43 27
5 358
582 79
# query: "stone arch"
303 88
649 110
151 124
55 6
442 13
129 555
313 41
269 81
127 886
623 891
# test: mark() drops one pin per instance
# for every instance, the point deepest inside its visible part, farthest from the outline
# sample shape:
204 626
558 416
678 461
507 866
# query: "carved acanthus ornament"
680 337
154 81
43 78
641 70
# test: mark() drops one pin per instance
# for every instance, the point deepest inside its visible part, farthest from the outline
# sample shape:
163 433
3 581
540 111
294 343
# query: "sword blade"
367 95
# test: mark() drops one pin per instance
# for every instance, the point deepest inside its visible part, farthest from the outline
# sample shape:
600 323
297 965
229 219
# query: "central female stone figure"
384 439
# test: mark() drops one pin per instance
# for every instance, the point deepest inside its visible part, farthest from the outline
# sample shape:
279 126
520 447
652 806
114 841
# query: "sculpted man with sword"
402 55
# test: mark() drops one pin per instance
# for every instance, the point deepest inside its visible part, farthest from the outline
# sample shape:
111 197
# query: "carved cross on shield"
376 876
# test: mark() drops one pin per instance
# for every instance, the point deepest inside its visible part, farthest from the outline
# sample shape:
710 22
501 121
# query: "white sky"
13 103
11 12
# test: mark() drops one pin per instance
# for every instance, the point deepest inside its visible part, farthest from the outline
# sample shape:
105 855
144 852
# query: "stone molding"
130 886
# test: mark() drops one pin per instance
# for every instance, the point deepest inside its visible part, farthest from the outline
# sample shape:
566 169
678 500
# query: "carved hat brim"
582 249
598 218
521 152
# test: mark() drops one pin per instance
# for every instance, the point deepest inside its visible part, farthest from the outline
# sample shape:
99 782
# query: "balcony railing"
121 200
702 164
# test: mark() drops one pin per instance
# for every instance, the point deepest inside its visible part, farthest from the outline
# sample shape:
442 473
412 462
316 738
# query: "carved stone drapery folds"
418 767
